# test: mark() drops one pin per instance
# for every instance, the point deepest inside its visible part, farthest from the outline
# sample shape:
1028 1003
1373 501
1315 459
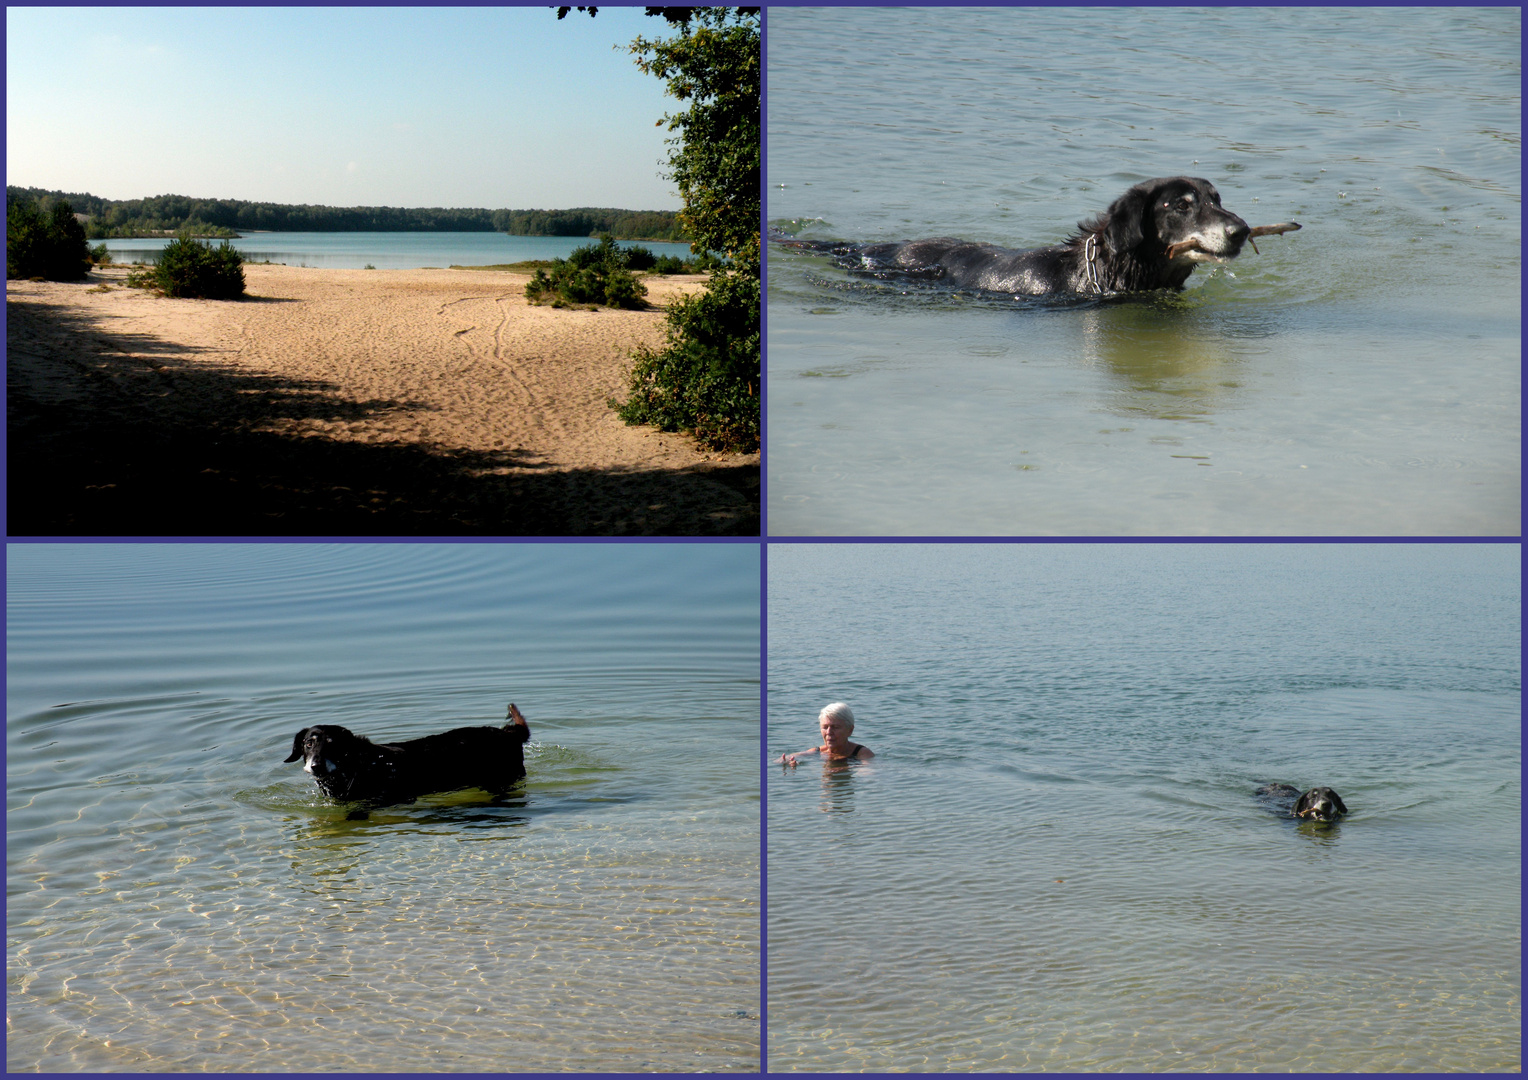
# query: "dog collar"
1089 251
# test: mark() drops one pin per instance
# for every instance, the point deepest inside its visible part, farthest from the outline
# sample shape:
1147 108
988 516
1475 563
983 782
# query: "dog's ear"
1337 802
297 745
1122 227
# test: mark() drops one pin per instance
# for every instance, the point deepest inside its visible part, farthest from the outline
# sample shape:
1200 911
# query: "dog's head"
1179 217
323 749
1320 804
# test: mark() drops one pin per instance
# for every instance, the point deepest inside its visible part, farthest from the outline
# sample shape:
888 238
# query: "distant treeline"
591 221
173 213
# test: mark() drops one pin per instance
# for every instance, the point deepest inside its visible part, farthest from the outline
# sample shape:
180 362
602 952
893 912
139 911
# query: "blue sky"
491 107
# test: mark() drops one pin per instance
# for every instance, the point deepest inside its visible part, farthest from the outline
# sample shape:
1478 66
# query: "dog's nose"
1238 230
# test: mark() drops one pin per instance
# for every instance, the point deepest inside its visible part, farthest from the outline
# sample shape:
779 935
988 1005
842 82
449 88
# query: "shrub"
705 380
100 256
188 267
50 246
593 274
640 258
624 291
605 253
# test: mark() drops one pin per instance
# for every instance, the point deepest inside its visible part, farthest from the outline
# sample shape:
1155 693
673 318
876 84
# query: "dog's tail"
517 724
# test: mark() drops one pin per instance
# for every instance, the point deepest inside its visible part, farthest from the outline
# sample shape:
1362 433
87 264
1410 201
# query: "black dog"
1151 237
1317 804
352 768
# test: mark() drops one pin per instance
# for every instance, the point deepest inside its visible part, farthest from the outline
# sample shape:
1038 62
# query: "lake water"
1055 861
390 250
181 900
1360 377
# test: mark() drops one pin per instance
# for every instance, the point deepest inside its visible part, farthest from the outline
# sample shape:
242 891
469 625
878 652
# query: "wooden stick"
1270 230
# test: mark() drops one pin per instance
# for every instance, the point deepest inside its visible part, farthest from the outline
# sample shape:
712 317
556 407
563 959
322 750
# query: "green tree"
189 267
706 378
48 245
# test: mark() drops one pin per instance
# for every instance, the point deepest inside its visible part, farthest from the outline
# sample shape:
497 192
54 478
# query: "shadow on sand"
118 434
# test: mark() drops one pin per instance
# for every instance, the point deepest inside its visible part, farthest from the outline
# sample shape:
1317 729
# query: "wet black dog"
1317 804
1151 237
352 768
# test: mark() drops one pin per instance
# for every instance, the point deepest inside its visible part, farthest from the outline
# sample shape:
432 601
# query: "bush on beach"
191 268
705 379
48 245
593 274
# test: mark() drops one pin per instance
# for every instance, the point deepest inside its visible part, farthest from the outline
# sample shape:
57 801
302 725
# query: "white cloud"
114 49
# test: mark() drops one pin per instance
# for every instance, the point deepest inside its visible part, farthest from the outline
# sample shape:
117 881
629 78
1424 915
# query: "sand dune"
343 402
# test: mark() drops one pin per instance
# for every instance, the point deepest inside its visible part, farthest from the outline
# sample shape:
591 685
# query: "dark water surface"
1360 377
180 899
1055 861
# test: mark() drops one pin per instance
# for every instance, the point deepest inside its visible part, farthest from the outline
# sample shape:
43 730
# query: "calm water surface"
180 899
1055 862
390 250
1360 377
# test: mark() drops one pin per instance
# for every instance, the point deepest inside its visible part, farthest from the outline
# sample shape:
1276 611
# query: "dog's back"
491 758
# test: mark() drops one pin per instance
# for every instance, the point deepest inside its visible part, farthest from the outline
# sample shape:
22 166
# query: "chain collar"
1089 252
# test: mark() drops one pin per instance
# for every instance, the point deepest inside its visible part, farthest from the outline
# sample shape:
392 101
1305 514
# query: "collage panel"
1070 271
267 813
387 271
1189 807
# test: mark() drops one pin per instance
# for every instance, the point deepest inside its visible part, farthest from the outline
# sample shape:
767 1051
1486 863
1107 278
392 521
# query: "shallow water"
1359 377
1055 861
390 250
181 899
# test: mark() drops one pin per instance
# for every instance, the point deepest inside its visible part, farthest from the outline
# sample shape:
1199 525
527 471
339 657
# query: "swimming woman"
837 724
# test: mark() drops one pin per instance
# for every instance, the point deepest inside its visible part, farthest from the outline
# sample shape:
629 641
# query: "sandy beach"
345 402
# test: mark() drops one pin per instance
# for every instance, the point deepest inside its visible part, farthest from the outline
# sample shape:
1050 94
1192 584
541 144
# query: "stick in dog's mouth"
1174 250
1270 230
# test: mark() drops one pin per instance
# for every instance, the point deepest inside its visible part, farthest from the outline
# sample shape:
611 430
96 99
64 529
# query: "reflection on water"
1169 360
838 779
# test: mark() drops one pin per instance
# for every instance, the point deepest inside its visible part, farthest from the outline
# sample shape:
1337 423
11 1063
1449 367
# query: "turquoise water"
182 900
1055 862
1359 377
391 250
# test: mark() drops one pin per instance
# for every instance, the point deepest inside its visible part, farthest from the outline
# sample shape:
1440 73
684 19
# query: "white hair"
838 711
